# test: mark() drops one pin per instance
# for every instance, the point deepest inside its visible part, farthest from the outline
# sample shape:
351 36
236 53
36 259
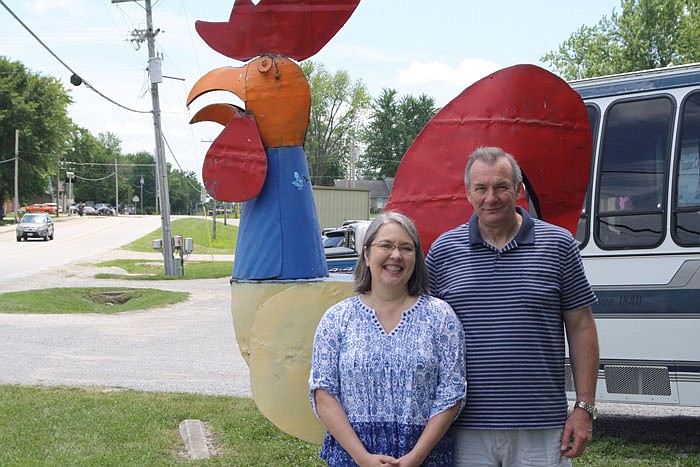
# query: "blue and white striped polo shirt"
510 303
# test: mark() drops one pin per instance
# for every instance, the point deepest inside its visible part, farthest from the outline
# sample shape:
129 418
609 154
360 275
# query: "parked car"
39 207
104 209
89 211
333 238
342 258
35 225
128 209
54 209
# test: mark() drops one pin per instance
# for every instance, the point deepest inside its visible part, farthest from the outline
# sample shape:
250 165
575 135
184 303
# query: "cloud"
366 54
44 6
430 73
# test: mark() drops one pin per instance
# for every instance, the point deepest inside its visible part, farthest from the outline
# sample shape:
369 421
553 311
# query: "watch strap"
590 408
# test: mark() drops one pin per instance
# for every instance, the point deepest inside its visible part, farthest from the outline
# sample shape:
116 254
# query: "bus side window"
636 147
686 209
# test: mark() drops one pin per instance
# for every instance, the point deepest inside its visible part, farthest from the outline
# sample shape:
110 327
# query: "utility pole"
16 199
116 186
213 220
156 75
353 157
70 176
58 183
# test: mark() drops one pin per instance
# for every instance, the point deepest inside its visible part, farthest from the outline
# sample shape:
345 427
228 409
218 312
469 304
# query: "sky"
416 47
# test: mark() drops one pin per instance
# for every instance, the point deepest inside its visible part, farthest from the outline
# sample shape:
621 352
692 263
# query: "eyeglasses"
388 247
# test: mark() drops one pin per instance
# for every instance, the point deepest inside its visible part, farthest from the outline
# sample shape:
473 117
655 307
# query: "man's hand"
578 432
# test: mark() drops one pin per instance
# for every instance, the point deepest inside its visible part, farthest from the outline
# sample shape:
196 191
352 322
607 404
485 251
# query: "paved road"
76 238
189 347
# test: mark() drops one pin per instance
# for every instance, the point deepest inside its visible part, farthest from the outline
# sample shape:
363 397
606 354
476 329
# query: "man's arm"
582 338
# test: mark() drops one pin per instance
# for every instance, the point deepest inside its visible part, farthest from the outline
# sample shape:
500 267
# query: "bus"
639 234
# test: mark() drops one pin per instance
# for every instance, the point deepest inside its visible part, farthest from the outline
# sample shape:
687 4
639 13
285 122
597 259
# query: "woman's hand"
378 460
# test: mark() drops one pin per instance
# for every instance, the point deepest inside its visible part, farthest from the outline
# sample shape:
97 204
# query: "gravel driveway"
190 347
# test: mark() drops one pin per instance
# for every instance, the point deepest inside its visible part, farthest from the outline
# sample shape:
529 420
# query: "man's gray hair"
490 155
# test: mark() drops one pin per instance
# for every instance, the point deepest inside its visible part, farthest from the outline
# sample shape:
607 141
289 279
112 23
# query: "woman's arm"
333 416
433 432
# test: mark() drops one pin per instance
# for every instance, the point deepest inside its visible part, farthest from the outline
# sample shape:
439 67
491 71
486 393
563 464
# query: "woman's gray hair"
418 282
490 155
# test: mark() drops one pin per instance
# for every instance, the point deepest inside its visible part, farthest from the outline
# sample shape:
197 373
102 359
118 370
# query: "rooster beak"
226 78
275 92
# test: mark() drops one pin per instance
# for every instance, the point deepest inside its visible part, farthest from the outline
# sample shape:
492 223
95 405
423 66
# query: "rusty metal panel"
295 28
235 165
275 92
526 110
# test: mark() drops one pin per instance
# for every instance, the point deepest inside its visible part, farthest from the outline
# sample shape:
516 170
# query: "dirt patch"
111 297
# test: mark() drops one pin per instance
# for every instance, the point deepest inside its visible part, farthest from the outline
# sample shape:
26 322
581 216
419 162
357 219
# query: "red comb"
294 28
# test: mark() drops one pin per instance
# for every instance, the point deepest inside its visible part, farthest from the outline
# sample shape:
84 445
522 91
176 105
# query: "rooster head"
274 90
277 104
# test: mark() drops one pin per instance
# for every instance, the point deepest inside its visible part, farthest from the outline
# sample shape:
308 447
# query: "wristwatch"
592 411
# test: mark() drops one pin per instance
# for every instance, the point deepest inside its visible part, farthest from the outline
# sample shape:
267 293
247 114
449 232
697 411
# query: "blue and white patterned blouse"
389 384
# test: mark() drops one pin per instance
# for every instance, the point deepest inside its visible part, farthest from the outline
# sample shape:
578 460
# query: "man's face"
492 194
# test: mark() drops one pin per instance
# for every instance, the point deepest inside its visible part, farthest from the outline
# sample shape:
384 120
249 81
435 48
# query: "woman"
388 369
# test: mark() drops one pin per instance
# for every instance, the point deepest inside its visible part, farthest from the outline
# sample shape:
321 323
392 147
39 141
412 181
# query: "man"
516 284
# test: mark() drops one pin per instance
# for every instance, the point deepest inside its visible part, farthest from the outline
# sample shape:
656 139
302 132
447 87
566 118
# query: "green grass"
200 231
644 442
90 427
58 426
139 269
87 300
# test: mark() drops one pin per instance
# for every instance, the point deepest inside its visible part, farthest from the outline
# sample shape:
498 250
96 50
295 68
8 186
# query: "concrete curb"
194 435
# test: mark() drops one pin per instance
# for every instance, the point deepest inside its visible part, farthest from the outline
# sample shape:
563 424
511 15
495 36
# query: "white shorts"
508 448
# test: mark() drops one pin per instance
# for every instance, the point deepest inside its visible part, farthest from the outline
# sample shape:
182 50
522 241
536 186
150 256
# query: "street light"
142 195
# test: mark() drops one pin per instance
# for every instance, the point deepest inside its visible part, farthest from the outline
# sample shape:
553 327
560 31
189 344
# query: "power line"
93 179
75 79
110 164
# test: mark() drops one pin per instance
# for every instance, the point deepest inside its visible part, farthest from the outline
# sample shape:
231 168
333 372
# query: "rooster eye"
265 64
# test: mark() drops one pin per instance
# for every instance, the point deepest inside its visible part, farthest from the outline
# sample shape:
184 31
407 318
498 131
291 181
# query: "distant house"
379 191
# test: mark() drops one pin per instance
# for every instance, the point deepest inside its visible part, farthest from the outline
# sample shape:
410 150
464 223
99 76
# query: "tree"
138 166
647 34
92 161
184 190
382 139
77 159
36 106
337 105
392 128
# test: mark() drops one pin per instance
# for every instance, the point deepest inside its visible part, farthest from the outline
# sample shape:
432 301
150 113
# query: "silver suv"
35 225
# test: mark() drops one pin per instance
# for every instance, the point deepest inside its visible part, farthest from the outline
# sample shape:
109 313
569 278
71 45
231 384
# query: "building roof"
377 188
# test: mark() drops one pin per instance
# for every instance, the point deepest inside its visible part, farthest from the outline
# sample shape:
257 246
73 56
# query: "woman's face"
391 257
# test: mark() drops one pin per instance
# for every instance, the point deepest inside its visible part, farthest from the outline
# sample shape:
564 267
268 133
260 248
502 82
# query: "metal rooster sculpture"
258 158
278 291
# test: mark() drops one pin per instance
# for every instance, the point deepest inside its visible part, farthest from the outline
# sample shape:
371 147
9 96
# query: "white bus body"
640 234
